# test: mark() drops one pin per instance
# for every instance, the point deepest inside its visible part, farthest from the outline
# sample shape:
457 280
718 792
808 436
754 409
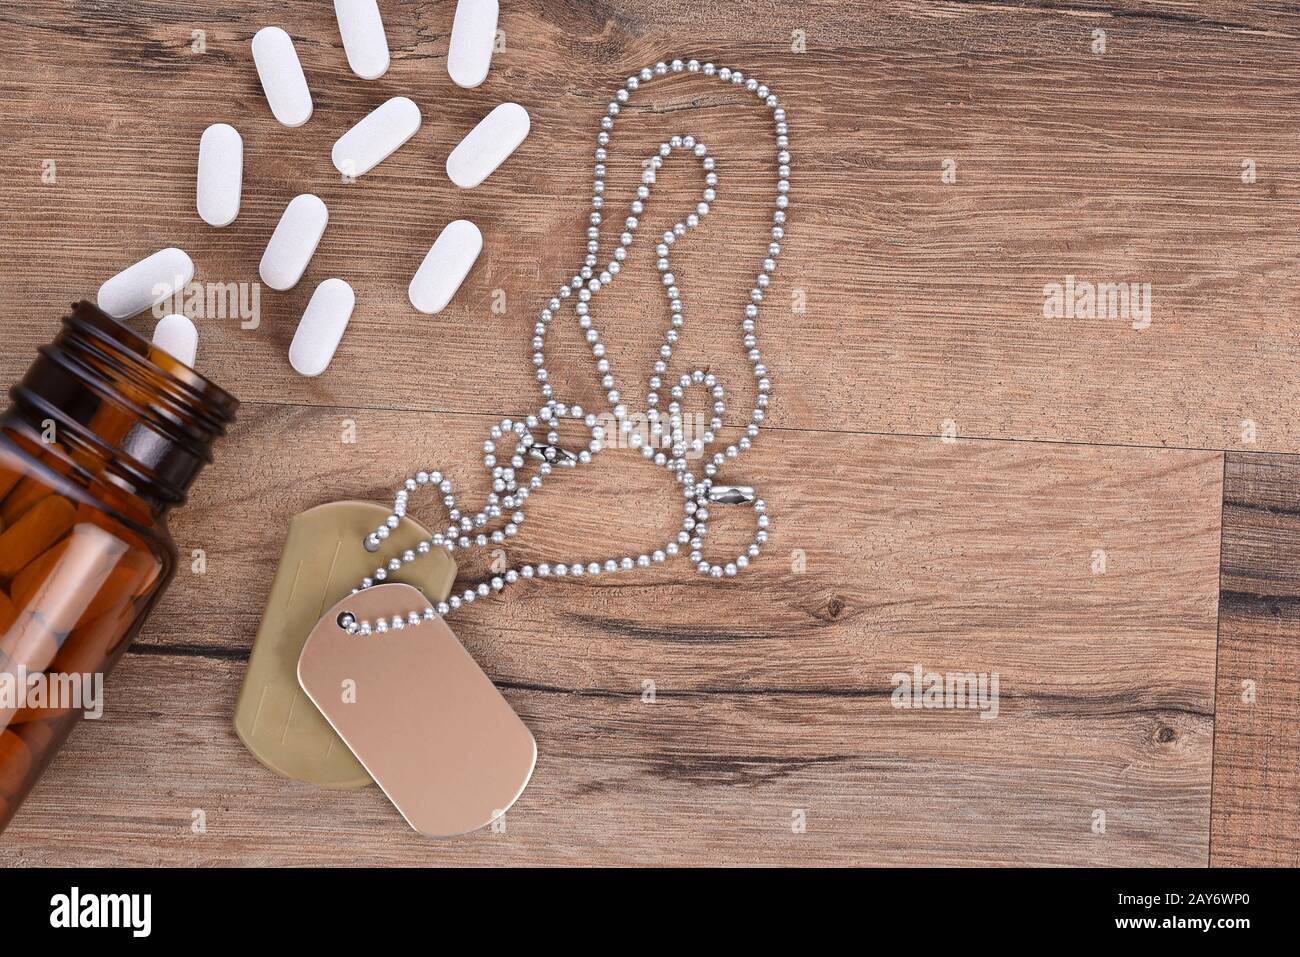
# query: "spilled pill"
176 336
321 328
294 242
487 145
221 174
473 33
146 284
282 78
364 41
445 266
376 136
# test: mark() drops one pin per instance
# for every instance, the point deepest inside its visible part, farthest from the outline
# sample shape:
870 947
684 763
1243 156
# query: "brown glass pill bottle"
104 436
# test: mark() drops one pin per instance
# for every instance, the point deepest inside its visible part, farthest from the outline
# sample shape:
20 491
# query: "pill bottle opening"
185 385
121 406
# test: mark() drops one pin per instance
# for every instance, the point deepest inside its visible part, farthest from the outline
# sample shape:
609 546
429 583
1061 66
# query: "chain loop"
511 445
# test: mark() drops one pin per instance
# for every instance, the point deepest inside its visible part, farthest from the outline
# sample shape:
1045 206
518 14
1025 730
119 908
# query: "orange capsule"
31 643
8 479
35 650
7 614
83 653
75 580
15 762
88 645
40 527
38 735
29 581
25 494
131 576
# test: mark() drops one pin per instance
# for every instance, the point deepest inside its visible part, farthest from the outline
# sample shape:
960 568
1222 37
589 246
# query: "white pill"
487 145
282 78
294 242
146 284
176 336
473 34
376 137
364 41
221 174
445 266
321 327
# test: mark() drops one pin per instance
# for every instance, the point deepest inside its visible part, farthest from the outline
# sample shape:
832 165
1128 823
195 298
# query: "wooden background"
1161 691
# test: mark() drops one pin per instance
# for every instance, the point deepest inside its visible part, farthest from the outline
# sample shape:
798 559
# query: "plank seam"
1218 643
491 415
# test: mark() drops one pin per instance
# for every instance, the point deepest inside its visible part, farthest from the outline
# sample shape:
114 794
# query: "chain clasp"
731 495
554 455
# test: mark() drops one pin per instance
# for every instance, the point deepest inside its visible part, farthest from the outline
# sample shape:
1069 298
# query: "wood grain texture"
1257 736
928 298
924 304
772 692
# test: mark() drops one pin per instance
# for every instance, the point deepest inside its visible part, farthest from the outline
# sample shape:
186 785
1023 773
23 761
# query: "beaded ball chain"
511 445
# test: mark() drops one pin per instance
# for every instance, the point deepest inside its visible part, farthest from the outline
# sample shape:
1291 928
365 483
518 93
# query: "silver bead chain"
512 445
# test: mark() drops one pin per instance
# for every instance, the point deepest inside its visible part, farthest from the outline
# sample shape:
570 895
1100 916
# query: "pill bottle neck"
105 404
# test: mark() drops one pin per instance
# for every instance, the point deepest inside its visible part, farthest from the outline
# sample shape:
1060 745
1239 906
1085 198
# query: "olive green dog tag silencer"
418 712
324 558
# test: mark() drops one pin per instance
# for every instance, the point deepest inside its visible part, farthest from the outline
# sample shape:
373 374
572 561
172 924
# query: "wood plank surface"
928 297
1257 736
904 306
772 692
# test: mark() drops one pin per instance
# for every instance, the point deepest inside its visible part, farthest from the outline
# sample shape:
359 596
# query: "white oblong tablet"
473 34
176 336
282 78
445 266
146 284
376 137
221 174
321 328
486 147
364 41
294 242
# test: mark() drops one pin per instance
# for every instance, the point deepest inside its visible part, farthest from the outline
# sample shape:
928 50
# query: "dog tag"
323 559
418 713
